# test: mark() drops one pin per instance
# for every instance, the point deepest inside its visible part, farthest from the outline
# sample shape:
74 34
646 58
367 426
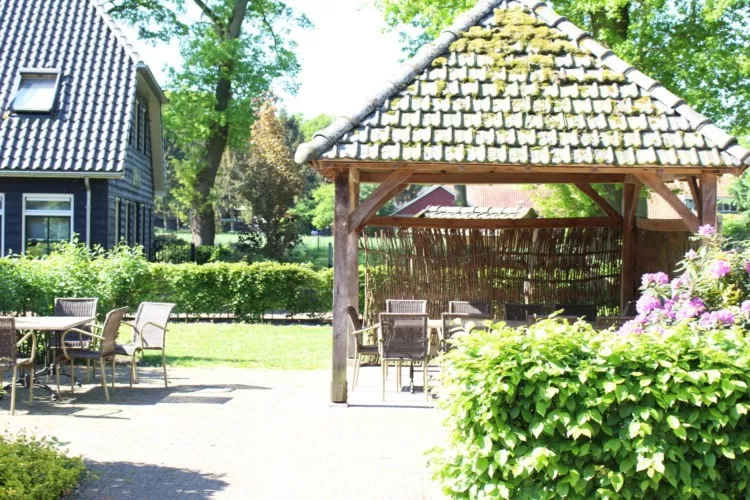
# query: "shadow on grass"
123 480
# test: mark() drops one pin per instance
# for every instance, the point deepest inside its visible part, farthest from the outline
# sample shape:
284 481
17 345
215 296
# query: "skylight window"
37 91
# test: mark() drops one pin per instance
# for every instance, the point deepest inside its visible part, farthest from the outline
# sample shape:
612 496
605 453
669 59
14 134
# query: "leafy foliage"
36 469
561 410
320 207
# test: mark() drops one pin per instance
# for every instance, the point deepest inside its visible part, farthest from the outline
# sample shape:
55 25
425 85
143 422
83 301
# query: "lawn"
294 347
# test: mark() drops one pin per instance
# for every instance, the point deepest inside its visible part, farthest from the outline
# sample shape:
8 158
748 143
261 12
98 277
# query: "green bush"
34 469
559 410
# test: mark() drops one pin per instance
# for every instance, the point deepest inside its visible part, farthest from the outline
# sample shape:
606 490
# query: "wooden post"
708 199
353 256
341 282
628 279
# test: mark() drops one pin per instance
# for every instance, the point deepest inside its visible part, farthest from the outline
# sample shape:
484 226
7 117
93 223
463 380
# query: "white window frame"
46 213
118 204
36 72
2 224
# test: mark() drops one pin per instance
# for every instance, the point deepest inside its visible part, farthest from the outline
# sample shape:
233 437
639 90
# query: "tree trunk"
460 196
203 226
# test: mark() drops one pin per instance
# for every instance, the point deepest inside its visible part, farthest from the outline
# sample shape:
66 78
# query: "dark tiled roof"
514 83
435 212
88 132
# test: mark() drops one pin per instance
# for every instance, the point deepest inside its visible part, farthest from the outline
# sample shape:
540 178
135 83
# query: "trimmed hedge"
559 410
123 277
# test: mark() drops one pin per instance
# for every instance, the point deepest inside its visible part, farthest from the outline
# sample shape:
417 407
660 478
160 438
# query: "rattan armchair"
469 307
521 312
404 337
82 307
9 358
360 348
106 351
149 334
454 323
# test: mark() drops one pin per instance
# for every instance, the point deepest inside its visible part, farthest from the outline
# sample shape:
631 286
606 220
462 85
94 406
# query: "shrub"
34 469
560 410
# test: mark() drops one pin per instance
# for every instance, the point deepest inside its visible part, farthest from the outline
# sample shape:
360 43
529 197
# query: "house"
427 196
80 129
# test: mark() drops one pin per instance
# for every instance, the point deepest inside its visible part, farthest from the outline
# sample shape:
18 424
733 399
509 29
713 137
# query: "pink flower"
691 254
655 278
706 231
745 308
647 303
747 267
681 281
690 309
716 318
632 327
719 268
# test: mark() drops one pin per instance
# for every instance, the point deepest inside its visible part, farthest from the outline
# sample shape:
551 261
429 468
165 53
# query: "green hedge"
32 469
561 410
123 277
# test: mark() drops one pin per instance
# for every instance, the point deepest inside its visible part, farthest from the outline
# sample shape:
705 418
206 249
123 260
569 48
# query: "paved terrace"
233 433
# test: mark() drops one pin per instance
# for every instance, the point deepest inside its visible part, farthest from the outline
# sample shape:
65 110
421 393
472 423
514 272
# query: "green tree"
315 124
318 209
233 53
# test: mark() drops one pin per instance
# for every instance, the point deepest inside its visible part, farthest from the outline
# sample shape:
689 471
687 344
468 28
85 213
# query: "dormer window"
37 91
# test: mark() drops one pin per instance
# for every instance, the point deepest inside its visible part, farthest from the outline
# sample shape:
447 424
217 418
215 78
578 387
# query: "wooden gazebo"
514 93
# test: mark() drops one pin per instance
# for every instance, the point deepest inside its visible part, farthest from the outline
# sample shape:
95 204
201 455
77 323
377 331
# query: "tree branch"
270 29
217 22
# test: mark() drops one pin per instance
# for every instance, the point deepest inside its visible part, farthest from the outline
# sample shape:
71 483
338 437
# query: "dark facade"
80 130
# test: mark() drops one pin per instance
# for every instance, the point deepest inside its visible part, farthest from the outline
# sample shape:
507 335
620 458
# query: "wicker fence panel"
547 266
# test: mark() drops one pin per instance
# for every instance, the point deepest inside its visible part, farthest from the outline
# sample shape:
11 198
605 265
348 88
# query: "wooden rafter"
453 178
664 225
492 223
657 185
389 188
589 191
695 190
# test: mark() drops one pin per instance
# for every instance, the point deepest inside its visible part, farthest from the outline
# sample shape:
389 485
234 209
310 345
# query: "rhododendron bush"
712 291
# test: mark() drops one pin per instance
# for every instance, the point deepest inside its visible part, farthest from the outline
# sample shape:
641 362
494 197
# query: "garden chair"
587 311
520 312
360 348
401 306
9 358
458 323
77 307
149 334
466 307
404 337
106 351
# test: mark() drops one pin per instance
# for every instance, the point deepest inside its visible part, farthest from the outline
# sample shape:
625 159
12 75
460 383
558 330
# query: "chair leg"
57 377
72 376
88 371
384 374
14 382
356 372
135 368
103 369
398 376
132 367
164 364
424 374
31 385
113 376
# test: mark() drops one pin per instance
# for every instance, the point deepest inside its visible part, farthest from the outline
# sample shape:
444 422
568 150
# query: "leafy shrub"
560 410
34 469
736 227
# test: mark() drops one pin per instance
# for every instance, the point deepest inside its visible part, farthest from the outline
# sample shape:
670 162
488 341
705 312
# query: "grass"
240 345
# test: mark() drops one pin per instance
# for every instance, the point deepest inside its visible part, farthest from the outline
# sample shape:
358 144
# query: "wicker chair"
106 351
9 358
404 337
400 306
78 307
520 312
458 323
149 334
587 311
360 349
465 307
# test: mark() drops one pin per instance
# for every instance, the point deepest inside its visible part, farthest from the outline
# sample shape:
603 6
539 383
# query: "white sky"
344 57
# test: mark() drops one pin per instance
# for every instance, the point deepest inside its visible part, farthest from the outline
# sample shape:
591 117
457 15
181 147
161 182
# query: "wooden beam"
695 190
341 282
491 223
353 255
657 185
708 199
453 178
394 184
664 225
592 193
628 280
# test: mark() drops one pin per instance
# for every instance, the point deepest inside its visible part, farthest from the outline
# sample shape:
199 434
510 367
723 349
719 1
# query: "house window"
47 221
37 90
126 234
689 202
2 225
726 206
117 221
139 127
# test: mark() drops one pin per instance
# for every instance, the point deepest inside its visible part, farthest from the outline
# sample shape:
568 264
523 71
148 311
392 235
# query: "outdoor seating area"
35 348
406 335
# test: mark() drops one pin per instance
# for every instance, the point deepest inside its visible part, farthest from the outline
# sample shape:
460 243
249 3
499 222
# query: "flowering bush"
712 291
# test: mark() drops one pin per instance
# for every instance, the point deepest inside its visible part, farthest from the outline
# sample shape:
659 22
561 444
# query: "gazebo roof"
513 83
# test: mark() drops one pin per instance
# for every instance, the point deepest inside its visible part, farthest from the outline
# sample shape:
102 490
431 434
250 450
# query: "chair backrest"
519 312
630 309
404 336
76 307
468 307
458 323
110 328
352 317
587 311
400 306
8 341
152 312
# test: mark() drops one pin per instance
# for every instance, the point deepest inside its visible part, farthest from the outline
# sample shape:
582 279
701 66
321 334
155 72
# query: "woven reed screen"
545 266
